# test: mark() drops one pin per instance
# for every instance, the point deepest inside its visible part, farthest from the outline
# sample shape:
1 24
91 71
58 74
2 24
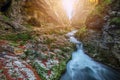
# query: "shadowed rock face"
38 11
95 22
4 5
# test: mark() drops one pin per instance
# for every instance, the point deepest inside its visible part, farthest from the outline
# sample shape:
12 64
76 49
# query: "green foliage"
17 37
40 70
81 32
58 70
115 20
91 48
1 70
30 54
6 18
106 2
49 40
100 9
15 44
28 26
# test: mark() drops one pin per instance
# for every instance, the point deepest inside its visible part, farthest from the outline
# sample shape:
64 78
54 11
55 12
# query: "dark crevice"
6 6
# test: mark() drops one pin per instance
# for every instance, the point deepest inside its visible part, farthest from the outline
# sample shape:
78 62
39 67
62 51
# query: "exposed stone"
18 51
113 13
57 51
118 14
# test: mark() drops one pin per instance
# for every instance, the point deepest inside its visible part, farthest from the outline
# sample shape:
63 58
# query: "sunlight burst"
69 7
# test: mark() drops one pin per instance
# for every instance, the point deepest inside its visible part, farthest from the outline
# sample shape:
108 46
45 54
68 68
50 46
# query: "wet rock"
57 51
106 17
113 13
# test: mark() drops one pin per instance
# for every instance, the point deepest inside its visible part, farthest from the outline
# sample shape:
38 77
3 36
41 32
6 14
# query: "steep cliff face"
15 13
101 35
37 12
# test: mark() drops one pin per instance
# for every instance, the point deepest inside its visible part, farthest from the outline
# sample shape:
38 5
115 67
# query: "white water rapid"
82 67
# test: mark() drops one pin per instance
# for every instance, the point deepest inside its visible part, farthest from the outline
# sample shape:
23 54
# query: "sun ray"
69 7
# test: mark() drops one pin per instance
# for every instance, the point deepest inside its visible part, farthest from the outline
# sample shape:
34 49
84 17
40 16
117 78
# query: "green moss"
101 8
28 26
40 70
58 70
17 37
49 40
81 32
91 48
1 70
115 20
107 2
6 18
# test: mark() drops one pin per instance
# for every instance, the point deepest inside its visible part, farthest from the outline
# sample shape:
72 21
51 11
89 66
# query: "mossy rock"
115 20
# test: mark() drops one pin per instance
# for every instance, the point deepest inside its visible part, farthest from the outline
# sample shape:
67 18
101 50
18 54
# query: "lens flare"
69 7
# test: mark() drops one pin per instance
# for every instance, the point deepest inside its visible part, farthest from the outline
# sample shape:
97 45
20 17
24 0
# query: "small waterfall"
82 67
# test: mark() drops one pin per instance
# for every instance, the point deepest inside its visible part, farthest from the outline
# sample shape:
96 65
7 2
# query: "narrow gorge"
59 39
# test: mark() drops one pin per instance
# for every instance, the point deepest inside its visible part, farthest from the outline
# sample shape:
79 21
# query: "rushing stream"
82 67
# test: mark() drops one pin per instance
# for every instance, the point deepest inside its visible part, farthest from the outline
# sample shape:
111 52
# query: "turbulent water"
82 67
